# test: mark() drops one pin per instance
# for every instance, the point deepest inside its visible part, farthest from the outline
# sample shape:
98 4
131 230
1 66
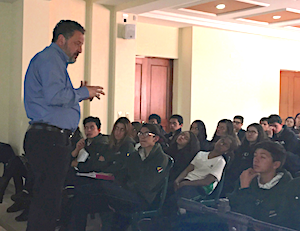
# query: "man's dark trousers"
48 153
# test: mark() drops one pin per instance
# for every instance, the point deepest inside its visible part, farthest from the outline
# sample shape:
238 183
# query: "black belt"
50 128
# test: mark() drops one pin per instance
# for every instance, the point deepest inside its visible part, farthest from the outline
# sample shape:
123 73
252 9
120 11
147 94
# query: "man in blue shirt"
52 105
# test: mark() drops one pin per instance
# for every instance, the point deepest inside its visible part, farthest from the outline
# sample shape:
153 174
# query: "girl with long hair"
183 150
224 127
199 129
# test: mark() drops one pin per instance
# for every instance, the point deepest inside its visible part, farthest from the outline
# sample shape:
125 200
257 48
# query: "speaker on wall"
129 31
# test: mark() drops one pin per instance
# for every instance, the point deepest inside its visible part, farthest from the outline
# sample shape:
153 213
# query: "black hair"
153 128
277 151
263 119
178 117
96 120
239 117
274 119
261 135
229 129
202 135
67 29
136 125
192 147
156 117
290 117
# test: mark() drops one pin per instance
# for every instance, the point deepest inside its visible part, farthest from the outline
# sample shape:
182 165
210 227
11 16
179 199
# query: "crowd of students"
260 167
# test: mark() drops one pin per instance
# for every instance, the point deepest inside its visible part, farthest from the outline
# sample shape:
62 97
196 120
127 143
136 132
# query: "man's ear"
181 125
61 40
99 130
276 164
156 138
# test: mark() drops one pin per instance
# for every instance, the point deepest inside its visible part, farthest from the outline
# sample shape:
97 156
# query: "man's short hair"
264 119
67 29
96 120
154 128
241 118
178 117
277 151
156 117
274 119
136 125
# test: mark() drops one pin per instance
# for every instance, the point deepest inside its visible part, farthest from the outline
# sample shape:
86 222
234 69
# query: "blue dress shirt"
49 96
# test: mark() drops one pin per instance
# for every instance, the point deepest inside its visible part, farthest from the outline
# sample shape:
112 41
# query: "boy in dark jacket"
262 187
145 171
289 140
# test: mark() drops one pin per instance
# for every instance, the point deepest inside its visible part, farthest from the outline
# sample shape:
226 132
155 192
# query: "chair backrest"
163 192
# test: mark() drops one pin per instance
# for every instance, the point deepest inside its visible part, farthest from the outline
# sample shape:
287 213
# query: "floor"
8 223
7 220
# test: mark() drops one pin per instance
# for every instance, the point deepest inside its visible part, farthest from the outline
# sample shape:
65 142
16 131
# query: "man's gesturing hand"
95 91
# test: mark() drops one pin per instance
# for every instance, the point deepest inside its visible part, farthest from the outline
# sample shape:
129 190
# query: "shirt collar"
62 54
271 183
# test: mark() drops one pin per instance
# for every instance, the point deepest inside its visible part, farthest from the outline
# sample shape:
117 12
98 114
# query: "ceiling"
251 16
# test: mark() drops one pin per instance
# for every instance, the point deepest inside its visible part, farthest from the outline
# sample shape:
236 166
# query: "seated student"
297 122
289 140
199 129
13 168
224 127
183 152
205 171
291 207
262 188
144 171
136 126
175 125
290 123
243 158
108 158
265 125
237 125
155 119
93 142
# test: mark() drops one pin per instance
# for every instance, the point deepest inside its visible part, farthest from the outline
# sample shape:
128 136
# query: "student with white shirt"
205 170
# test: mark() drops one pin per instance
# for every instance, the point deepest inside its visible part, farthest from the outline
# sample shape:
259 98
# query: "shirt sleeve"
196 158
57 87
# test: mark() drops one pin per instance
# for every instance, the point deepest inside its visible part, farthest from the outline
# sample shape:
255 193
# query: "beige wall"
237 73
183 76
124 77
17 119
6 22
100 61
157 41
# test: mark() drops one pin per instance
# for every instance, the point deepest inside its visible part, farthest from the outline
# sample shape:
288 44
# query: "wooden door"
153 89
289 104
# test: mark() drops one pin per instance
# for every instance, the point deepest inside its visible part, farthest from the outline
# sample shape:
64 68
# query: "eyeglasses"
145 134
251 132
